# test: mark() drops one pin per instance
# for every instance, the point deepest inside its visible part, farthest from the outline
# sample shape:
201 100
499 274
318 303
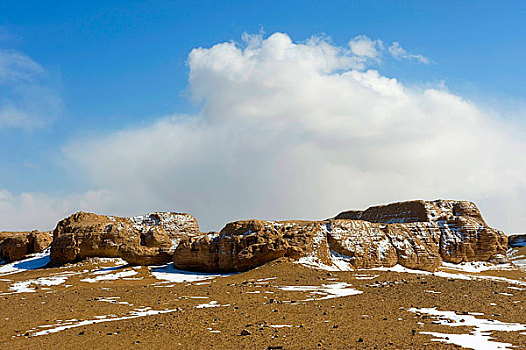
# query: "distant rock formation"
415 234
17 245
243 245
516 241
140 240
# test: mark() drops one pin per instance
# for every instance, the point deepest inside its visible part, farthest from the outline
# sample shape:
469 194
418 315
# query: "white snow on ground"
98 319
463 276
518 257
327 291
365 277
109 276
213 303
113 300
314 262
30 285
477 266
480 336
35 261
171 274
339 263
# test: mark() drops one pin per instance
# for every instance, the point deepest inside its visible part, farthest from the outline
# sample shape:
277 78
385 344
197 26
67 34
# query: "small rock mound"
17 245
140 240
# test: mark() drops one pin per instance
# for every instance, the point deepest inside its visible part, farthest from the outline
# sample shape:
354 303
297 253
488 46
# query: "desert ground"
107 304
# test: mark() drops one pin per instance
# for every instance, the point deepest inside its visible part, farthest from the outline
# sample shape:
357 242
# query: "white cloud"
28 211
364 46
27 99
398 52
293 130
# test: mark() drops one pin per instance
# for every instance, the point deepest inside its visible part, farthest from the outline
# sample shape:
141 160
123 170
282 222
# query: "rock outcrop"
243 245
415 234
140 240
17 245
517 241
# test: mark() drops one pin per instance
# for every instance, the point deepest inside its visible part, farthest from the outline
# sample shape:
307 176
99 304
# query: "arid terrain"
407 275
107 304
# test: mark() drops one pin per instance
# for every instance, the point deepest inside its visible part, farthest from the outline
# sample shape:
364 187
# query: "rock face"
140 240
517 241
17 245
415 234
243 245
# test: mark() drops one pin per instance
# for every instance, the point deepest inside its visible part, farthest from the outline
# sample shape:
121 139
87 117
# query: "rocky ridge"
415 234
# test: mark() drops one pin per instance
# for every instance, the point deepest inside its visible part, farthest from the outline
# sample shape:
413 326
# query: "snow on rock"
141 240
415 234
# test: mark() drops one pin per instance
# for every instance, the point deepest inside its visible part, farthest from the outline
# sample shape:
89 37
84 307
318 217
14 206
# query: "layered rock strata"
140 240
414 234
17 245
243 245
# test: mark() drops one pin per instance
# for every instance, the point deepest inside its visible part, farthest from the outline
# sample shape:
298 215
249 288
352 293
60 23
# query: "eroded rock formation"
140 240
17 245
243 245
415 234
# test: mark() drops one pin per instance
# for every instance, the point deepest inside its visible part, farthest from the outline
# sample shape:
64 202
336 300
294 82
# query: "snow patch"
327 291
109 276
171 274
480 336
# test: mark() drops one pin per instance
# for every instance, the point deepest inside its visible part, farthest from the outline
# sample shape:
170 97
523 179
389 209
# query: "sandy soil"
54 308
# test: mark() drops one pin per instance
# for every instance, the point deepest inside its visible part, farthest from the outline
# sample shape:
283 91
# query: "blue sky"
105 67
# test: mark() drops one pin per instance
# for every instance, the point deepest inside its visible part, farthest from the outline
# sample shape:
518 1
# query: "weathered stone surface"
141 240
516 241
415 234
365 244
464 235
243 245
417 245
17 245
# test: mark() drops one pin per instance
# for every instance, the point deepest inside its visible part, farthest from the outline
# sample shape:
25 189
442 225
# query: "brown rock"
243 245
365 244
464 235
416 244
416 234
141 240
17 245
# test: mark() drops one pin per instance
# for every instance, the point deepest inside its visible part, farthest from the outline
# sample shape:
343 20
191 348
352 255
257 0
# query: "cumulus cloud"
398 52
300 130
27 98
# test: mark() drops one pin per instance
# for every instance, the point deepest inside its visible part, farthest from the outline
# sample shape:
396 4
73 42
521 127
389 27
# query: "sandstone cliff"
415 234
141 240
17 245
